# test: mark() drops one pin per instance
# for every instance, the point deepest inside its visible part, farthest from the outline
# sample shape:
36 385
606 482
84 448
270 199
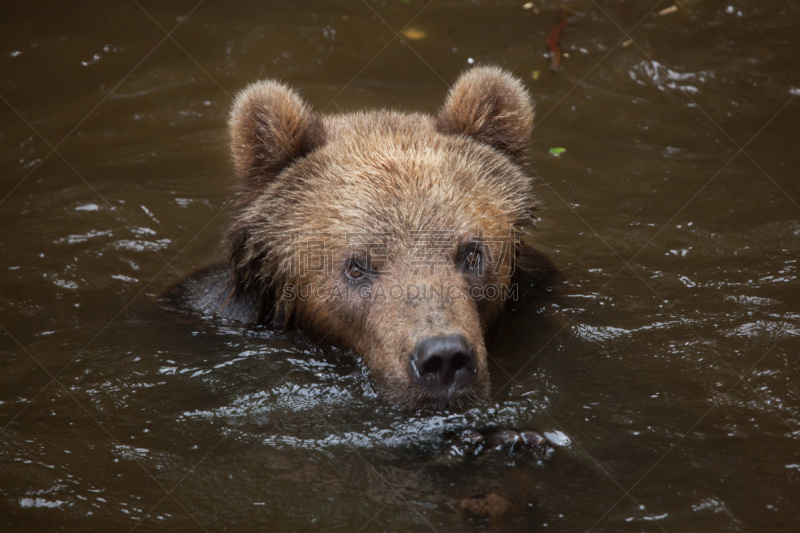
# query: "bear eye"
472 260
354 270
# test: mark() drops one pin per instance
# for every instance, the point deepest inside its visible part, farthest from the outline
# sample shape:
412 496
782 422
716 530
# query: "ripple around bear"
391 234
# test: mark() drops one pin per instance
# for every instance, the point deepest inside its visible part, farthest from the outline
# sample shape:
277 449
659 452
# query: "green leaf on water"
557 151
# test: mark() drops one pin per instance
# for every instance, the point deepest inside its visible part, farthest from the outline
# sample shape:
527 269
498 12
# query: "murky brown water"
668 371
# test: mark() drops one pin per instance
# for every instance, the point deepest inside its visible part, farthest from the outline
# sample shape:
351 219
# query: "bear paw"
470 444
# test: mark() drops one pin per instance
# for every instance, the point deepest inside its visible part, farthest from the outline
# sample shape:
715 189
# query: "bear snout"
444 364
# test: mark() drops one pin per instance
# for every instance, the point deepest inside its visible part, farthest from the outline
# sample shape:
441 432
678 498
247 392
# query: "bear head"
388 233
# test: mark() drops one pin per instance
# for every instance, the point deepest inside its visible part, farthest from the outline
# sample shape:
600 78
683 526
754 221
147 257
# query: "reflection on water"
666 373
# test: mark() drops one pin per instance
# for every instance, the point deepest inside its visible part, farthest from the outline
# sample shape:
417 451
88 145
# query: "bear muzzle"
443 365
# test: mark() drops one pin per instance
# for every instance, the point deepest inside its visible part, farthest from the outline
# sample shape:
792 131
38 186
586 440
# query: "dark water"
668 371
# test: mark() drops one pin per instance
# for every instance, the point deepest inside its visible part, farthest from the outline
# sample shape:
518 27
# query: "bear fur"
335 226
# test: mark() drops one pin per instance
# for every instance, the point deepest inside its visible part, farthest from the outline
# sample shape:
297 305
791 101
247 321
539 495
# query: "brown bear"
391 234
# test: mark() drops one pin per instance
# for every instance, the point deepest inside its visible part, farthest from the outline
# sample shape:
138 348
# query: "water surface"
667 371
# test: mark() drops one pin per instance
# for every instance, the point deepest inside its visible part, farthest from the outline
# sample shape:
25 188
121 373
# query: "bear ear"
270 127
491 106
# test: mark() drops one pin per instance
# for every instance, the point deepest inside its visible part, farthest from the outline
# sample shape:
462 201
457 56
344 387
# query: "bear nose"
443 364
